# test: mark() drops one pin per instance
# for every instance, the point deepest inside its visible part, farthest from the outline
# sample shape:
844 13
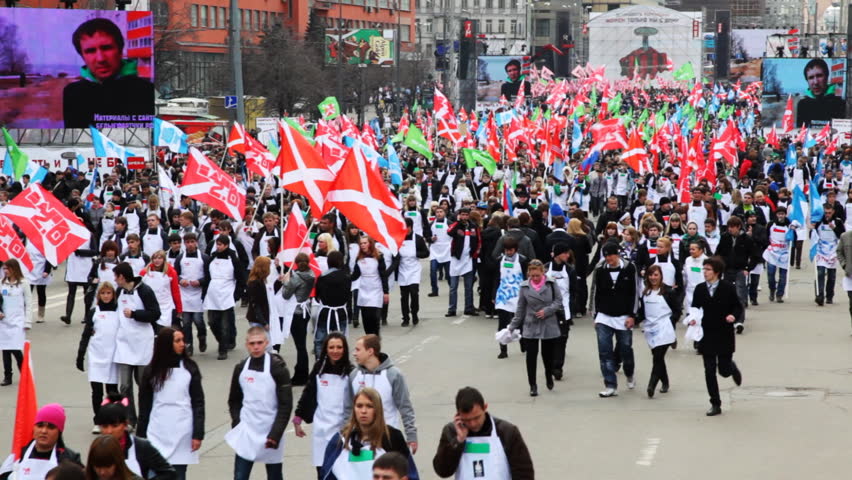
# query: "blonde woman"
325 245
16 318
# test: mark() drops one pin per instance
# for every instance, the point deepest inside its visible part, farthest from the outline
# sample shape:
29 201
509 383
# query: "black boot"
202 343
652 385
7 380
414 319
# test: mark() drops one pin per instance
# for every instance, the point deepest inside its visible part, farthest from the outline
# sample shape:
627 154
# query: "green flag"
329 108
18 157
273 149
472 155
293 122
685 72
614 104
415 141
580 110
660 117
593 98
643 117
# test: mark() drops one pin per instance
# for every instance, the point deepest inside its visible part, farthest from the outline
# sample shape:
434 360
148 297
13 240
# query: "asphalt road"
790 419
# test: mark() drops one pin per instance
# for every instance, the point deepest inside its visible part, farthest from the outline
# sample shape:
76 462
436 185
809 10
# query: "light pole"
339 51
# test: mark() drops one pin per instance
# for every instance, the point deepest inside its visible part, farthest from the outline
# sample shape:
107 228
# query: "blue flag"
104 147
168 135
791 156
816 203
371 155
593 156
377 129
819 169
576 138
394 167
502 118
559 170
797 214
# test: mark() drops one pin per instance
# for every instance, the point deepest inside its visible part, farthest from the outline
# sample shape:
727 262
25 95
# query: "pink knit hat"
52 413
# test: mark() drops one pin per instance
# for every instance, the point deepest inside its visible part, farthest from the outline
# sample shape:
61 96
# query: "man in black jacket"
760 238
512 85
615 300
610 214
736 249
464 249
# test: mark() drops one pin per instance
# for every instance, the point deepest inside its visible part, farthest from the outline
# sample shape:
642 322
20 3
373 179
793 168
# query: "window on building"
542 27
222 17
488 26
513 26
464 4
202 16
501 4
514 4
489 3
406 34
193 15
501 26
428 25
257 24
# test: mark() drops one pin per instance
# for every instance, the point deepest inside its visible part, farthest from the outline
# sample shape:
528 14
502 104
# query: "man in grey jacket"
513 229
375 370
844 256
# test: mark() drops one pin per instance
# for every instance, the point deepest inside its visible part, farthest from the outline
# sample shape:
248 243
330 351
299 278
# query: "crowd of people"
535 246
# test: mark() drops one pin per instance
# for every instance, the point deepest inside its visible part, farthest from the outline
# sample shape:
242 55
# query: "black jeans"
7 361
504 318
190 318
753 283
548 346
371 317
410 298
98 395
72 294
41 291
352 307
595 205
658 369
489 277
826 278
222 324
796 254
559 351
725 364
299 332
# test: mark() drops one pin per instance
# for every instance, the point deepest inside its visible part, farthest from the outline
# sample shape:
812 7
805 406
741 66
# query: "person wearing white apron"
45 451
409 270
370 270
415 214
193 278
259 402
132 214
171 402
513 267
138 311
777 255
351 452
670 266
322 401
353 239
828 231
562 273
333 292
39 278
261 238
464 248
226 280
134 254
163 280
154 237
477 445
98 344
16 317
692 269
77 269
659 307
439 249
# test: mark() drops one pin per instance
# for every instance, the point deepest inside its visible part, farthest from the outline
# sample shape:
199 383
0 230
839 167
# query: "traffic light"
467 49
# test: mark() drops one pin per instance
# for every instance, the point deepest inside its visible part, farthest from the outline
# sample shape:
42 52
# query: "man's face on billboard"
101 54
513 71
817 80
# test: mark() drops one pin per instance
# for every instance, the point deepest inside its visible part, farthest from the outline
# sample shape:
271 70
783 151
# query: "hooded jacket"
124 94
400 393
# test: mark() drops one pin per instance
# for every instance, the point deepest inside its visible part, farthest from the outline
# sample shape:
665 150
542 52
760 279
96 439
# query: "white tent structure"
654 39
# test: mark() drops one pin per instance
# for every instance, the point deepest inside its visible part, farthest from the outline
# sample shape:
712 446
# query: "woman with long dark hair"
298 283
659 307
106 461
16 318
323 400
171 402
370 269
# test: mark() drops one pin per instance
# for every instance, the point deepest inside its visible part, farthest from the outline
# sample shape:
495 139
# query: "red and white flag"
636 157
11 245
609 135
53 229
206 182
258 158
360 193
328 144
302 169
824 134
787 123
237 139
772 138
295 240
725 147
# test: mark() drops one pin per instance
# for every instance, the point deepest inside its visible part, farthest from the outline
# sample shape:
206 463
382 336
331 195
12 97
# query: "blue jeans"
624 344
180 471
782 280
242 469
468 292
190 318
826 278
434 268
223 326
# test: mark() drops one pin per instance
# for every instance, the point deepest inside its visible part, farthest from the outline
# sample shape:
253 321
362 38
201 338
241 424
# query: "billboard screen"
362 46
490 75
76 68
749 44
818 88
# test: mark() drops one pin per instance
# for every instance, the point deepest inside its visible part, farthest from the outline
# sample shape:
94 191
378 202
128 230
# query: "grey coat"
530 301
300 284
844 252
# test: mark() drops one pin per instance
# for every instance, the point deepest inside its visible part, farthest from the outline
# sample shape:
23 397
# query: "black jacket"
510 89
619 297
279 372
258 303
718 333
457 233
151 462
196 395
150 312
673 300
450 451
738 256
84 99
606 217
334 289
63 453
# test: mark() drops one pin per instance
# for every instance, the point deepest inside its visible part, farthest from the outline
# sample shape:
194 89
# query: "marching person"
154 237
322 400
477 444
227 278
828 230
464 249
718 298
333 292
298 284
660 309
46 450
374 369
77 269
371 273
408 270
102 270
539 305
560 271
692 269
365 436
39 278
16 318
138 310
353 243
106 461
98 343
777 255
260 402
736 249
163 280
615 299
513 271
193 277
171 402
134 255
439 249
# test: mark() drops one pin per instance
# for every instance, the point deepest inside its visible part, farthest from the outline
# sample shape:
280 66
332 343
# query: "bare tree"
171 65
13 59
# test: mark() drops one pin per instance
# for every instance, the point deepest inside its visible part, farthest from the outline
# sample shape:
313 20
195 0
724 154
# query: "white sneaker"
96 430
609 392
631 383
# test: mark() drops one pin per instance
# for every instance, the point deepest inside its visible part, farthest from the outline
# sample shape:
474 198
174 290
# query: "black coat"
719 337
619 297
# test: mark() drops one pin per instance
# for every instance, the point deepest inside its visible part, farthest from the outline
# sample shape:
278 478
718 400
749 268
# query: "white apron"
328 417
191 268
668 270
440 249
101 349
105 274
131 461
351 467
263 247
170 429
414 215
484 458
260 406
222 284
511 276
676 239
152 243
410 270
560 278
826 255
160 283
12 333
137 263
34 276
778 252
134 342
353 256
278 308
692 275
77 269
380 382
34 469
657 326
460 266
370 293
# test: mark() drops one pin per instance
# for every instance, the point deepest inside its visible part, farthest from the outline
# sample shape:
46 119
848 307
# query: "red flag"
787 123
448 127
403 124
53 229
683 193
636 157
236 141
723 147
803 133
302 169
328 144
609 134
369 137
360 193
824 134
772 138
206 182
258 158
832 146
11 245
26 407
295 240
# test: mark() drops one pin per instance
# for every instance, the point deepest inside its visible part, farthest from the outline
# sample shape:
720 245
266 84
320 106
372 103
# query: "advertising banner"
817 86
362 46
490 75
